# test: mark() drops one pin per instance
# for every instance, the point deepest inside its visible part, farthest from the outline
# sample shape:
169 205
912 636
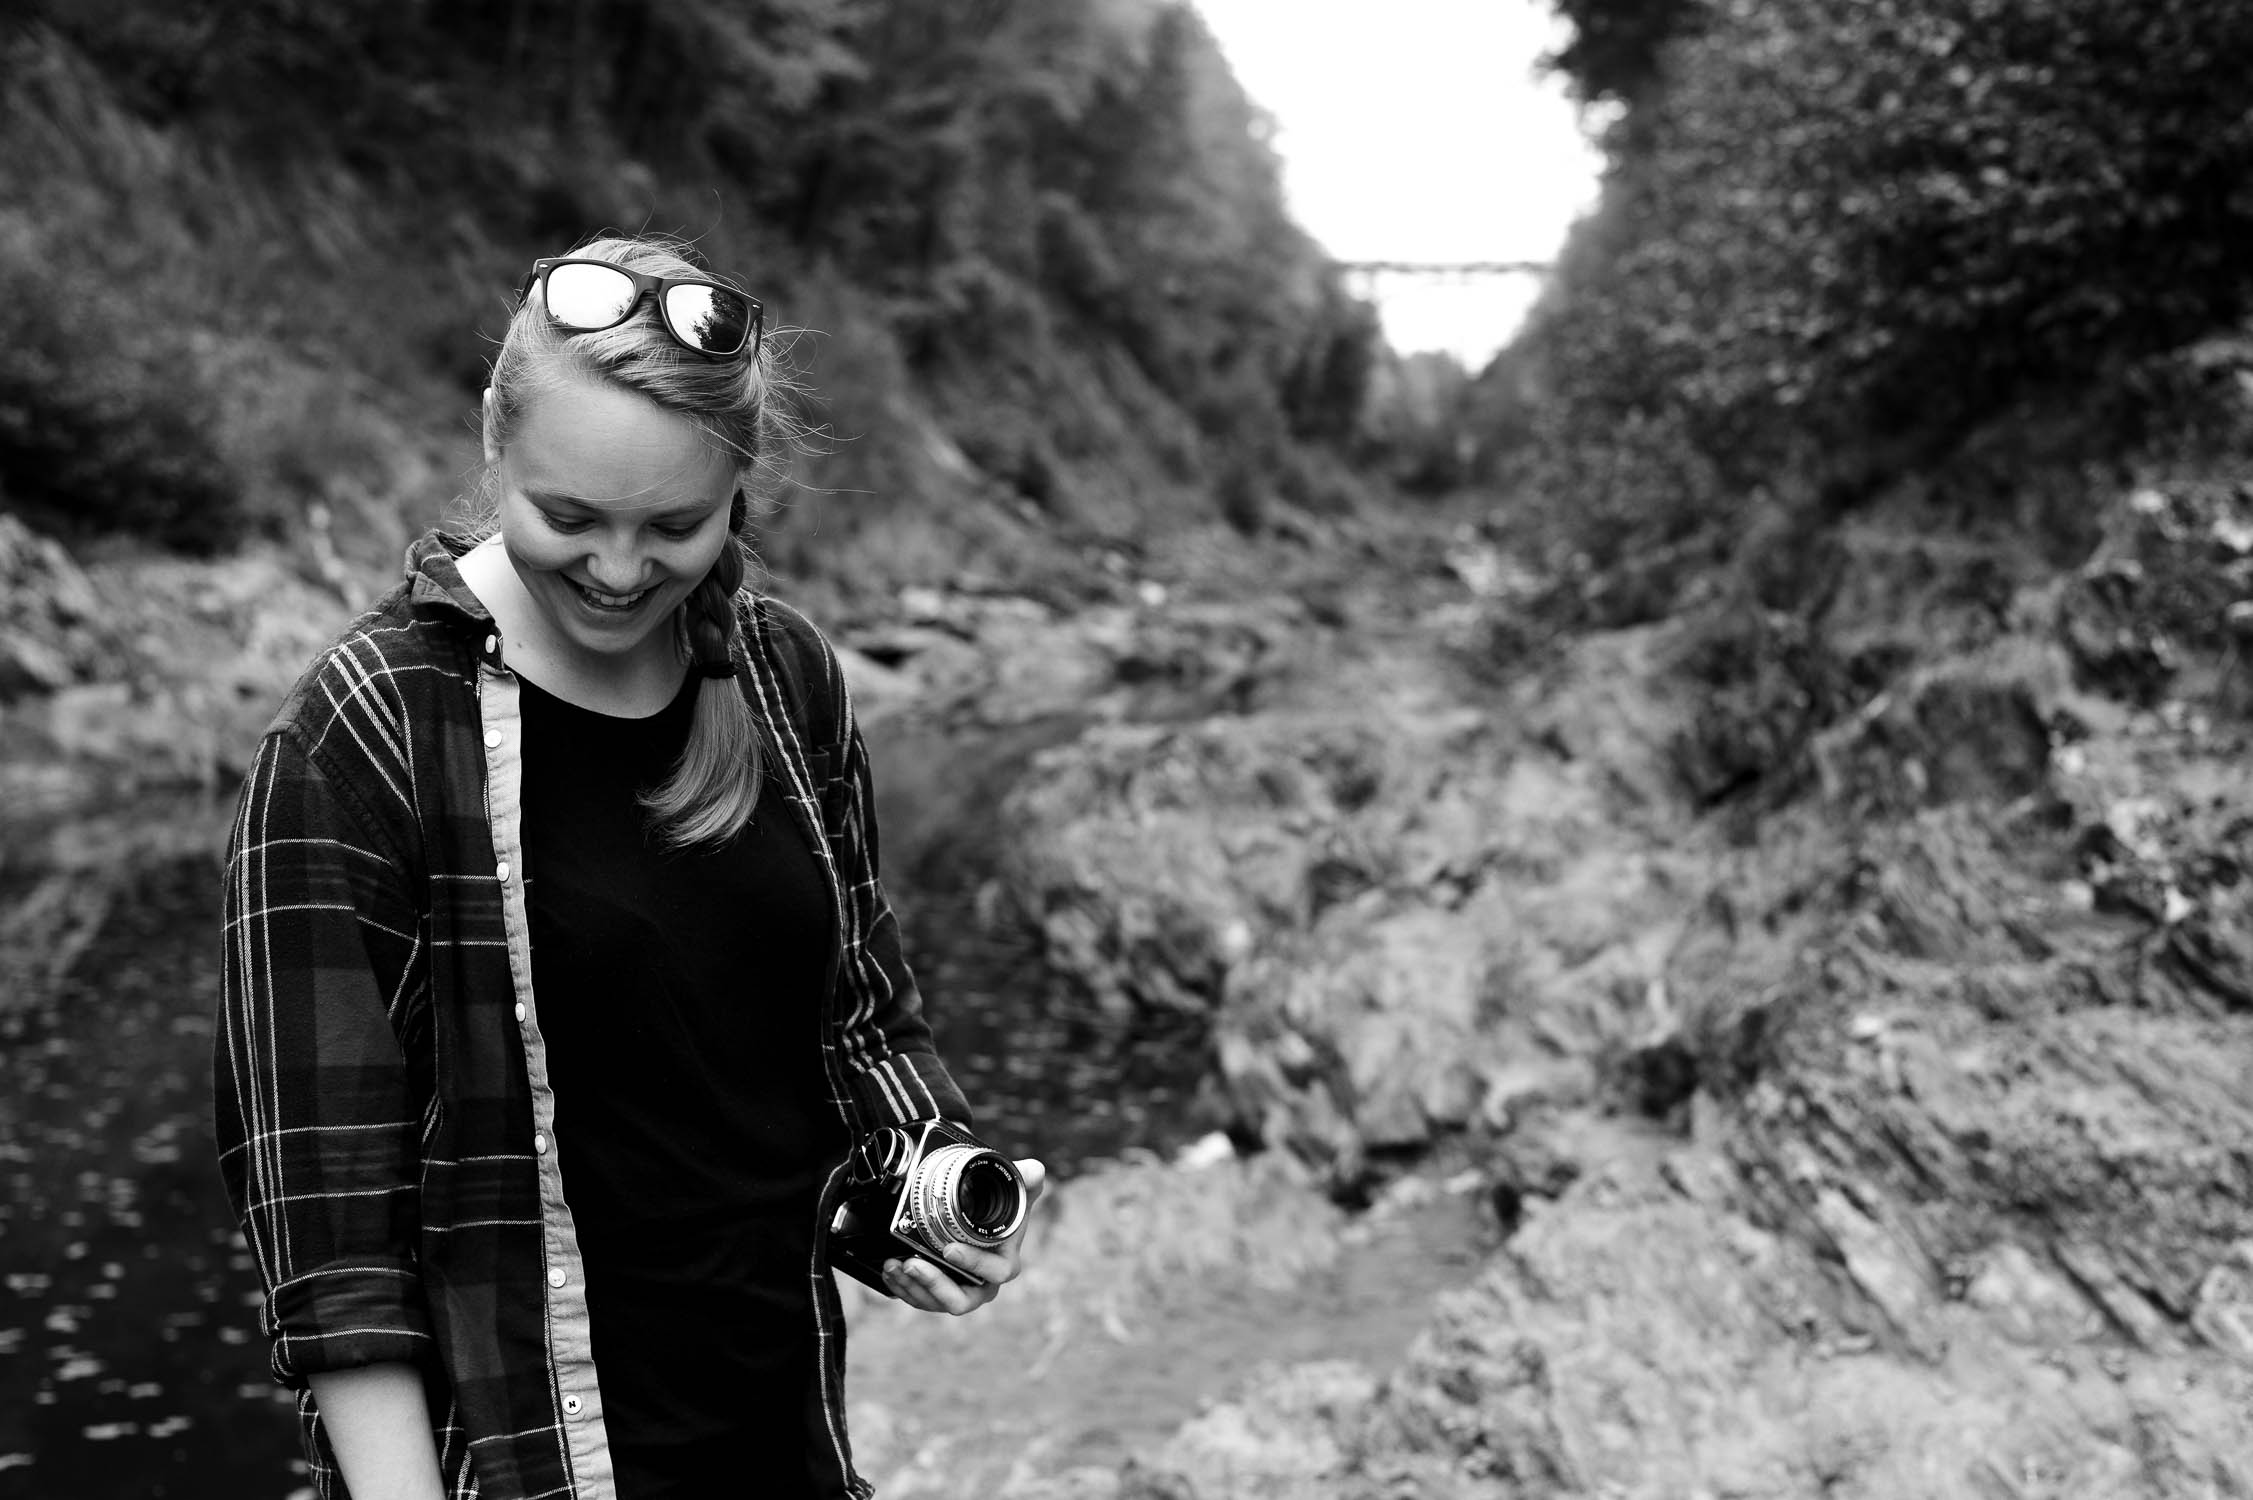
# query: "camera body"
916 1189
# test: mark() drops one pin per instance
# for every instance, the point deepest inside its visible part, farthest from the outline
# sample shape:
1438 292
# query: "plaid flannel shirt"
382 1099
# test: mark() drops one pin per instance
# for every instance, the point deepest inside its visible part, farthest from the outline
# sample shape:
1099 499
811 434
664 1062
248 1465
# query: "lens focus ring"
966 1195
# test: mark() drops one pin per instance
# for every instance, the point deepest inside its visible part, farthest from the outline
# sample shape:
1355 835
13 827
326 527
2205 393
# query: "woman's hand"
918 1283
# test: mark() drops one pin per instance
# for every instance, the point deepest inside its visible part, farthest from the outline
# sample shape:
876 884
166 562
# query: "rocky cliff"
1839 1009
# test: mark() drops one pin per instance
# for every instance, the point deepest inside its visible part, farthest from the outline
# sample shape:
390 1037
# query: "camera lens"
988 1197
966 1195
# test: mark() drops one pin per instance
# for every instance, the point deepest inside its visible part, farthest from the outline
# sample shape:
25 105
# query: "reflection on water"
1047 1076
130 1363
1046 1072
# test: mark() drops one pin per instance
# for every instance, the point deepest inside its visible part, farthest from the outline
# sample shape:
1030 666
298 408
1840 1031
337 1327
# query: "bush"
1635 488
1834 225
103 423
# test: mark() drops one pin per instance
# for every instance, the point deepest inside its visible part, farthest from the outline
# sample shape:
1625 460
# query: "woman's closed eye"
671 531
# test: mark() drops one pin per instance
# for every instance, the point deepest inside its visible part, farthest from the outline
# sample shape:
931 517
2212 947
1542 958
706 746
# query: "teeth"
611 601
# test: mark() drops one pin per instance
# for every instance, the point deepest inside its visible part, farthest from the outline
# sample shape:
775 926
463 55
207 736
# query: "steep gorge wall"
253 254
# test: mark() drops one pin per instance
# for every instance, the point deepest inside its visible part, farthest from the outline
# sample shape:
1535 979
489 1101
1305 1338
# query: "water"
1047 1077
130 1363
129 1359
1047 1073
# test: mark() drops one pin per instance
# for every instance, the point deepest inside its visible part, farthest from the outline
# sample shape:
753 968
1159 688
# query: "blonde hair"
711 790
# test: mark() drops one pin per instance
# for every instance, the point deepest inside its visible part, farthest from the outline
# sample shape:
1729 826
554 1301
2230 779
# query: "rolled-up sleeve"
884 1034
887 1036
316 1126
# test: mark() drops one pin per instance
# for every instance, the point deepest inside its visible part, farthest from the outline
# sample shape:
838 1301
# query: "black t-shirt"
680 1001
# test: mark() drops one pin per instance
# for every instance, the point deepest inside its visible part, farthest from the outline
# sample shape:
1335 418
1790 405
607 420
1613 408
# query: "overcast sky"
1419 130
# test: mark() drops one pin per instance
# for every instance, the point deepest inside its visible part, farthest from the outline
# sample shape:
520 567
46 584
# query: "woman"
559 978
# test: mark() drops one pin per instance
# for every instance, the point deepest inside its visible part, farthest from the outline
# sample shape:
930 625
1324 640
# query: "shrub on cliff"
1859 228
1069 212
103 425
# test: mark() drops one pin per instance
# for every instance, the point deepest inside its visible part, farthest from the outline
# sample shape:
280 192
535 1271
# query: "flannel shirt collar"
435 581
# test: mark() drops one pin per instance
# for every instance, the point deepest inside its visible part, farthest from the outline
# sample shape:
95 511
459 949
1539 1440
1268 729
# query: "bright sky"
1418 130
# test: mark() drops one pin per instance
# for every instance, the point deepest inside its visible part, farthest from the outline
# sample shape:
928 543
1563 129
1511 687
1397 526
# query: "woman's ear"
491 426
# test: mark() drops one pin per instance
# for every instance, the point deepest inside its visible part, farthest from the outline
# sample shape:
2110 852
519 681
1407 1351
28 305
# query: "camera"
916 1189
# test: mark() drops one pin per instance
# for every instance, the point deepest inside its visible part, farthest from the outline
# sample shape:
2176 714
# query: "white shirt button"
500 871
556 1277
540 1144
492 644
520 1011
492 739
571 1405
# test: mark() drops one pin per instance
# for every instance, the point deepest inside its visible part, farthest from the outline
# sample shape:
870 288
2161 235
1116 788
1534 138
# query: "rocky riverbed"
1834 999
1794 1045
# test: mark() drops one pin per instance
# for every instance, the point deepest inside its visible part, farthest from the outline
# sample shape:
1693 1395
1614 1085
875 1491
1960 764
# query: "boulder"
1967 732
2172 560
1367 1037
54 630
1385 921
1634 1341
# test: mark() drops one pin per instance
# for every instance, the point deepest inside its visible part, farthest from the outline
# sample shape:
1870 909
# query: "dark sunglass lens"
709 318
588 296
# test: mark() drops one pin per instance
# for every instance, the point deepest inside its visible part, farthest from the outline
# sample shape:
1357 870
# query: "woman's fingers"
920 1284
991 1267
905 1278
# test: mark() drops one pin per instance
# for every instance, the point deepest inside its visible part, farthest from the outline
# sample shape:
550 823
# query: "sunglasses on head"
587 295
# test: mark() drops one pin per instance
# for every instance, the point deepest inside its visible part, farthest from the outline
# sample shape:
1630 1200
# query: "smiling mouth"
618 602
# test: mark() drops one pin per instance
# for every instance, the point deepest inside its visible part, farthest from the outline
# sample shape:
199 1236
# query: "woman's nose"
615 568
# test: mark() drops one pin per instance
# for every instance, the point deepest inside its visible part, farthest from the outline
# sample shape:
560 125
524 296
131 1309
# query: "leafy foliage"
124 436
1616 45
1858 228
1063 218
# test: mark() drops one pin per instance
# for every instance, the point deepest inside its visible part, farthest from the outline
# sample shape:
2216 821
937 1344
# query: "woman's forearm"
379 1424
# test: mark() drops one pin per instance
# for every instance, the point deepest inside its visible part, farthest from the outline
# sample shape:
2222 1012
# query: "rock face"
51 619
142 674
2156 595
1640 1341
131 694
1852 1033
1401 913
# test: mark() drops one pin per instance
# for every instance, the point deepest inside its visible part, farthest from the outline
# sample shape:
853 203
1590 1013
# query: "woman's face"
612 510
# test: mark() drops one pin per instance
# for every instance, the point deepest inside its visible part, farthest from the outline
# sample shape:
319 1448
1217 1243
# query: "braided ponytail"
714 786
